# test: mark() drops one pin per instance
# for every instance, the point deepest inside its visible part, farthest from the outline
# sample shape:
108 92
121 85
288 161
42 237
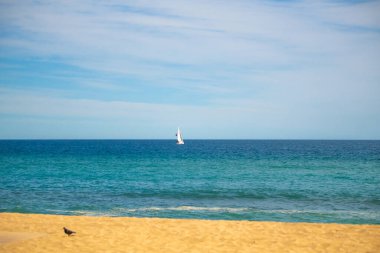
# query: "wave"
251 211
257 194
248 213
185 208
372 214
79 212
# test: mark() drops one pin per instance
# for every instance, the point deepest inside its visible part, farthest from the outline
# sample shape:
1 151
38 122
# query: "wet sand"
44 233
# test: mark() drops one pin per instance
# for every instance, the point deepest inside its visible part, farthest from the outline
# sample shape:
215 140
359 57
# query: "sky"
218 69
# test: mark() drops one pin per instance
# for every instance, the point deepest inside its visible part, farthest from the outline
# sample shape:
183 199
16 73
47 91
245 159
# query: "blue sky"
218 69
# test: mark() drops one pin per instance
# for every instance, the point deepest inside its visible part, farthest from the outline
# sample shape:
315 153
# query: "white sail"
179 137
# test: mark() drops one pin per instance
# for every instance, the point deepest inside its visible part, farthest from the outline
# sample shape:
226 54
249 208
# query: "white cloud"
269 66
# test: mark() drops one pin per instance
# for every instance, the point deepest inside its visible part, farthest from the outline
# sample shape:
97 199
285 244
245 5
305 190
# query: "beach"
44 233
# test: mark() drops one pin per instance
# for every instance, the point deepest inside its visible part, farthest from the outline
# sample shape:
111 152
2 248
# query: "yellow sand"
44 233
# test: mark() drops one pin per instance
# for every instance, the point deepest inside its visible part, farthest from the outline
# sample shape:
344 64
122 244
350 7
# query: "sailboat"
179 137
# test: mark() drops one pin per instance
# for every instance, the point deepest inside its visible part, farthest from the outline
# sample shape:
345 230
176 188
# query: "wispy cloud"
282 59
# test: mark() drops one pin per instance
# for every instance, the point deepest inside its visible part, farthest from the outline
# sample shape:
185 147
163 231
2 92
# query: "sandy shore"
44 233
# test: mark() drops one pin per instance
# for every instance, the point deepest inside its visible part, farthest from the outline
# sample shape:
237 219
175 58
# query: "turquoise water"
299 181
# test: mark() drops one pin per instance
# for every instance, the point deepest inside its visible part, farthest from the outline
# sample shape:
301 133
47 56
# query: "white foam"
369 214
123 211
184 208
80 212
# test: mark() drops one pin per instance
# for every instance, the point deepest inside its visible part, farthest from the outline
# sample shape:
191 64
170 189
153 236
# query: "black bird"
68 231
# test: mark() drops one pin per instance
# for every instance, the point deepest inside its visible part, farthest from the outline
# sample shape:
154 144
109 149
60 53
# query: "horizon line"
190 139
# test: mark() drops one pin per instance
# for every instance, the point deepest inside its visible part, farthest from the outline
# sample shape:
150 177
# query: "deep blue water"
284 180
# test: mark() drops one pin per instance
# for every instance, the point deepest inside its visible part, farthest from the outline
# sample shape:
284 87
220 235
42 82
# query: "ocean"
262 180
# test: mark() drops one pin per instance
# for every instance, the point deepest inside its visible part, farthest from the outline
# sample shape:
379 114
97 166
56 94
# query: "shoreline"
44 233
